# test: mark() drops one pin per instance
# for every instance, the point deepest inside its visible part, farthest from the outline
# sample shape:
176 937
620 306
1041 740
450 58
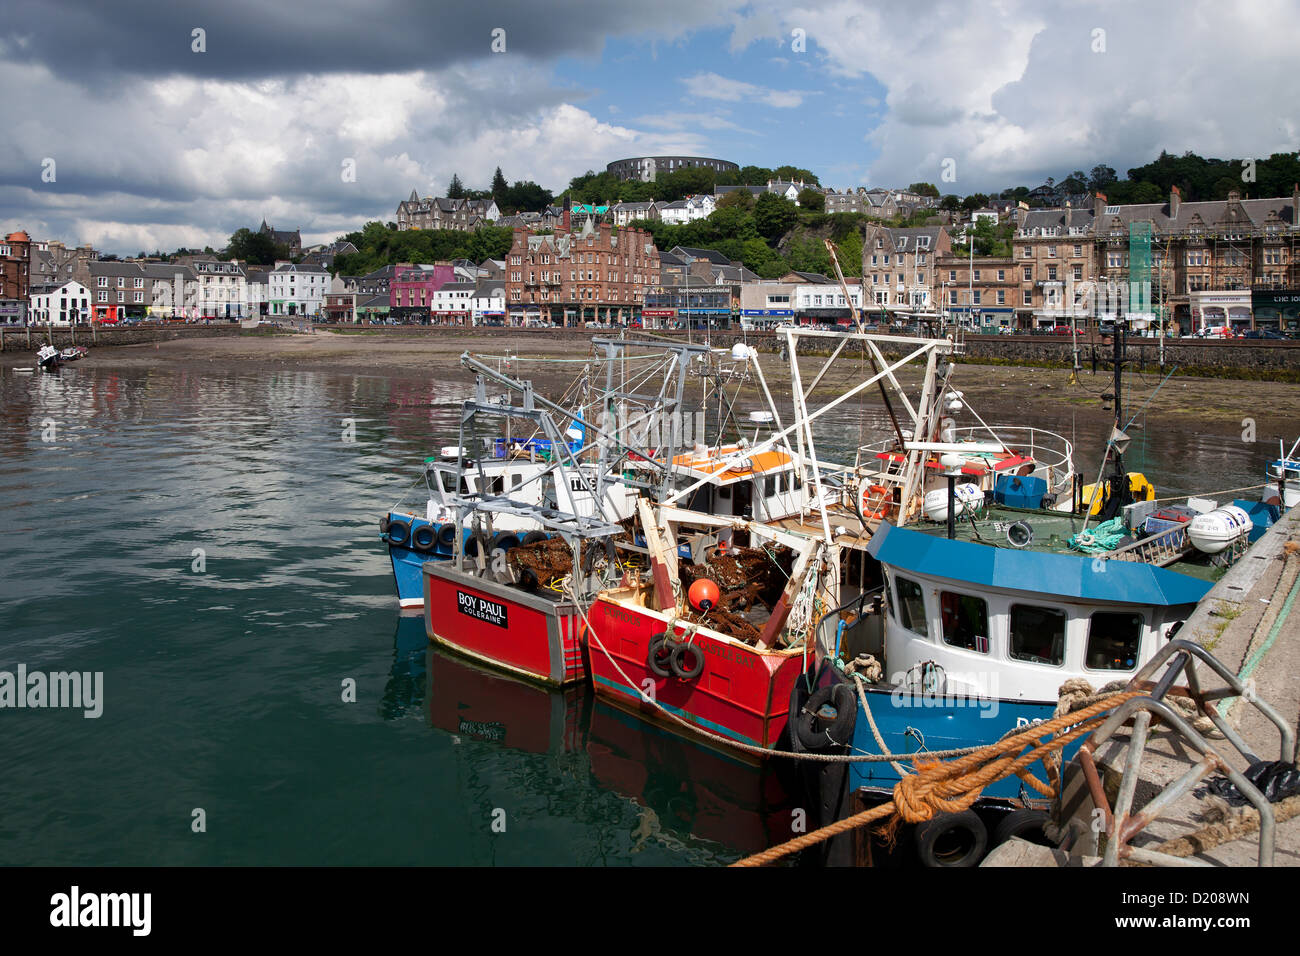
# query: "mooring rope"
954 786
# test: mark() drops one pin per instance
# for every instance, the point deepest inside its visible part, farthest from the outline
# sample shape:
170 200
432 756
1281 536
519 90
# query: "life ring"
533 537
399 532
1026 824
659 656
424 538
951 840
876 502
675 662
827 719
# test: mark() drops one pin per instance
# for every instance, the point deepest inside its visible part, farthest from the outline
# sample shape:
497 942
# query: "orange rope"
954 785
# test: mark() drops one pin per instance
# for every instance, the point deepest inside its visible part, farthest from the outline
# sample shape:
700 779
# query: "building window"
1078 252
1028 298
102 282
1002 297
1037 634
952 275
1028 273
976 297
965 621
976 277
1002 275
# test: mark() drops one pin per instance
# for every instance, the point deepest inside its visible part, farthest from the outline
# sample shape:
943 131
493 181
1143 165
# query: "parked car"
1062 330
1262 334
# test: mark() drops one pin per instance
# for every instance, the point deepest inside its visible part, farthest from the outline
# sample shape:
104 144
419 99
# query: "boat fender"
399 532
424 538
827 718
446 536
659 656
474 545
503 541
533 537
383 524
1026 824
1020 535
528 580
681 671
951 840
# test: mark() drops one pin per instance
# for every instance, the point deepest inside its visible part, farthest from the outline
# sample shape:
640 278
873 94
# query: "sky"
135 125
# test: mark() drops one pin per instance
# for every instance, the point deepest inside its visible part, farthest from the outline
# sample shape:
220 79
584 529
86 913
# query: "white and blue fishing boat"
1284 478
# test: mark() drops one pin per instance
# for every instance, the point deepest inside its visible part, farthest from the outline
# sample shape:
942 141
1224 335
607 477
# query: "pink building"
411 291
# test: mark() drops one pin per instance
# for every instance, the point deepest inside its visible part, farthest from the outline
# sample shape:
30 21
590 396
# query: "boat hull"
500 625
742 694
408 562
909 723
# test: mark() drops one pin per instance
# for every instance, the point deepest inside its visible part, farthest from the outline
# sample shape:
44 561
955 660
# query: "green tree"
793 174
812 199
924 189
950 202
1102 176
257 248
774 215
499 185
737 199
457 189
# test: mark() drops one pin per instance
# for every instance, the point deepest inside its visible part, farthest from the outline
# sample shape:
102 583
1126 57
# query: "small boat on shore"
48 357
73 353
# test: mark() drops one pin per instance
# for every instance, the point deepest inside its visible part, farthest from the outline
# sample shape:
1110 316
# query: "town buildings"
598 274
462 215
898 267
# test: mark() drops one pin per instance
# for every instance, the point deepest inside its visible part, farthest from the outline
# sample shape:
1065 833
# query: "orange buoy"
704 594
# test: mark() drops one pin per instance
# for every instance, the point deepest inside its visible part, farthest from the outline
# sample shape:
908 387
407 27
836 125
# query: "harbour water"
208 542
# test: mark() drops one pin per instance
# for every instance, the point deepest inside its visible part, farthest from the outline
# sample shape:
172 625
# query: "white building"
222 289
173 290
489 301
61 306
297 289
453 303
812 297
686 210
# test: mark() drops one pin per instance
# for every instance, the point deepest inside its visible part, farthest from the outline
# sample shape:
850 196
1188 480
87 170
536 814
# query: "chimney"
565 220
1098 206
1175 200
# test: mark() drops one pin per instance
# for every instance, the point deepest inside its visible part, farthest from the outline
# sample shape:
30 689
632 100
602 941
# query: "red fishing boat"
644 643
538 635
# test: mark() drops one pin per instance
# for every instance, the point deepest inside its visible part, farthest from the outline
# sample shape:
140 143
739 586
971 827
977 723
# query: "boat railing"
1048 449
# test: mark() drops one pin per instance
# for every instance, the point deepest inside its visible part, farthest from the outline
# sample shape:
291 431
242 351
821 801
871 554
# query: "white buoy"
760 417
966 497
739 352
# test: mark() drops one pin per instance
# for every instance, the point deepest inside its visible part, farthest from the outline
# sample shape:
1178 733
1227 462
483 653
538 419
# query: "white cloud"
715 87
1013 90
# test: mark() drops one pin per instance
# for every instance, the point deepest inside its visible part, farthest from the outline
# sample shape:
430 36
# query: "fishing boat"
48 357
491 604
1283 477
73 353
666 646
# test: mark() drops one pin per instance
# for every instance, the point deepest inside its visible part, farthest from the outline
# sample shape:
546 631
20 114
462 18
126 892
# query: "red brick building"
15 276
598 274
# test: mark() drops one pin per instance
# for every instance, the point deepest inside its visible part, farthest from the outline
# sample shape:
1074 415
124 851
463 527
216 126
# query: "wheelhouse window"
965 621
1037 634
911 606
1113 641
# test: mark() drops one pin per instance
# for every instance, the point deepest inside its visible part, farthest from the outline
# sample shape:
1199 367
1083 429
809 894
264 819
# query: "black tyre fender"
816 729
447 535
384 522
399 532
679 669
503 541
951 840
475 545
659 656
1026 824
533 537
424 538
528 580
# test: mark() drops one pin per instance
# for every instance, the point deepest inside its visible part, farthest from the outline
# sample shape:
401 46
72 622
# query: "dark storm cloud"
246 40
